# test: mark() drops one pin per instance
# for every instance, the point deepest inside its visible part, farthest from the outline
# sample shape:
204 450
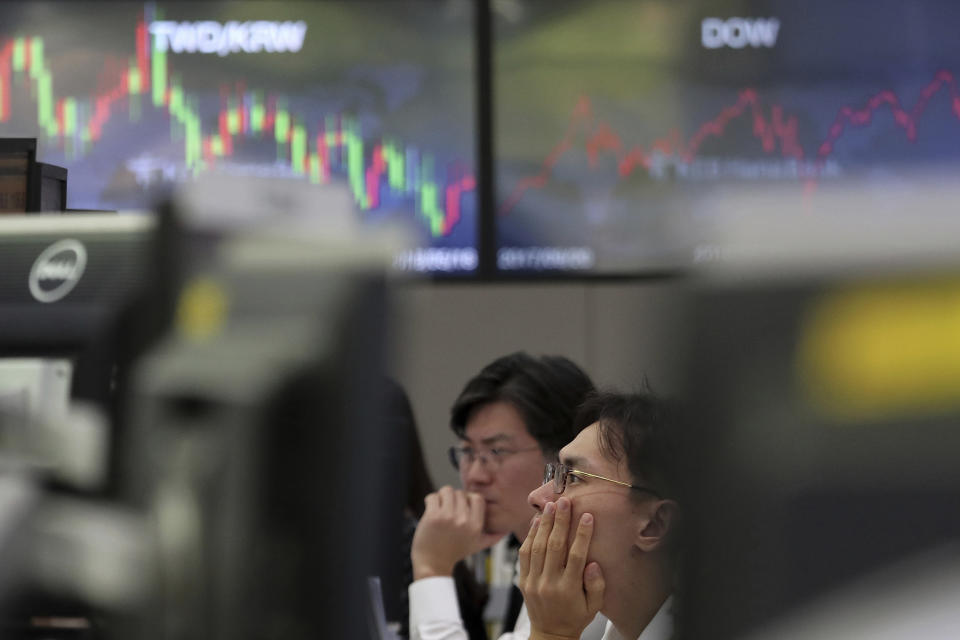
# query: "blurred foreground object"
247 495
823 369
80 298
256 451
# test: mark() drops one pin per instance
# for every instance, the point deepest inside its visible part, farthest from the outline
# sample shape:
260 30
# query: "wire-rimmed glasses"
559 473
491 458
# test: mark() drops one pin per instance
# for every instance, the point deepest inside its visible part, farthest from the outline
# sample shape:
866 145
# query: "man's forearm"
423 570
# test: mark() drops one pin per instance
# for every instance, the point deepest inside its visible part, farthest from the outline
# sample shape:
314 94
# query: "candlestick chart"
126 106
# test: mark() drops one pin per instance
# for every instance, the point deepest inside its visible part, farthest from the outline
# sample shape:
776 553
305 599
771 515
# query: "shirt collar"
659 628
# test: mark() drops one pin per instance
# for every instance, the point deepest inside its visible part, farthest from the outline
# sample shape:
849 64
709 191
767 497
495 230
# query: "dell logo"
737 33
57 270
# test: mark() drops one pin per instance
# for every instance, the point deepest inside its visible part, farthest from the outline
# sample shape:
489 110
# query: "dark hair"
643 429
399 417
546 391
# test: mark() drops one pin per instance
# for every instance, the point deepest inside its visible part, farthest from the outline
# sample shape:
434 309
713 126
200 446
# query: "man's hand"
562 596
450 530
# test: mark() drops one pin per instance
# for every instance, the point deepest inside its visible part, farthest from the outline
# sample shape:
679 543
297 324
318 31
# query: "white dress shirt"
659 628
435 614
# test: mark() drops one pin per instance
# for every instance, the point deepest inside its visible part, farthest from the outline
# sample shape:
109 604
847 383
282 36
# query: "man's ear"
657 526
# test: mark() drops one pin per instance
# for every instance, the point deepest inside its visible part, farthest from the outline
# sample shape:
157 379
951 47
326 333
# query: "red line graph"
771 128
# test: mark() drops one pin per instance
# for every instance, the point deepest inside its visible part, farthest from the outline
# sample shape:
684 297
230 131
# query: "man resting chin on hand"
511 419
452 528
603 539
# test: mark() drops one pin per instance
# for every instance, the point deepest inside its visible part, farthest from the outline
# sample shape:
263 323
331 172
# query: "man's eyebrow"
574 462
494 439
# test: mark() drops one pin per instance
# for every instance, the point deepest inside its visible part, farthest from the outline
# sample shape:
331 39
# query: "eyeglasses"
560 474
491 458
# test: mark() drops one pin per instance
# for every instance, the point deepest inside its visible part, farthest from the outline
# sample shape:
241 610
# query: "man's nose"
475 471
540 496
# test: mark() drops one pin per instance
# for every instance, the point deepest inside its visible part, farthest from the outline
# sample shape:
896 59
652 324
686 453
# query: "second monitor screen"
616 122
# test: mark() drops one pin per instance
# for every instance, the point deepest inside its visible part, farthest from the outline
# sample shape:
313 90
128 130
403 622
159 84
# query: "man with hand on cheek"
604 536
511 418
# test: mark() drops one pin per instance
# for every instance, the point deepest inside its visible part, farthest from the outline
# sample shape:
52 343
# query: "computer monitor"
257 448
615 121
821 363
81 296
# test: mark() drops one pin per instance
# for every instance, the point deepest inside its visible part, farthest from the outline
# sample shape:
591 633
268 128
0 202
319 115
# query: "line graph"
380 170
772 125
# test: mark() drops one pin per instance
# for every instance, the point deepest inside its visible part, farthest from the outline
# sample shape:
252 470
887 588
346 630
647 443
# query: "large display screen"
377 95
615 122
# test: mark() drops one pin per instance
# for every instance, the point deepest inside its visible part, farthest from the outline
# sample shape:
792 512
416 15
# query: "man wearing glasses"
604 536
511 418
